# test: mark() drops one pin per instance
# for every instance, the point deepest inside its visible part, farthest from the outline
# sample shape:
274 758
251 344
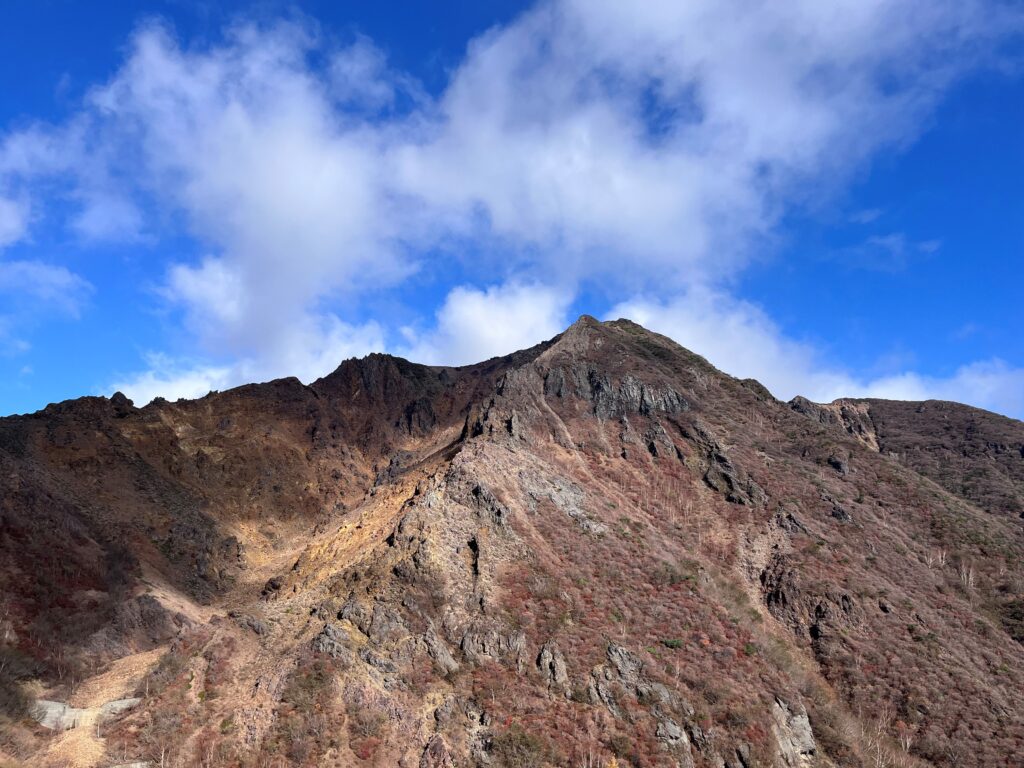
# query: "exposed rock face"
851 416
611 399
478 644
58 716
334 642
720 473
436 755
793 732
599 546
250 622
440 653
551 664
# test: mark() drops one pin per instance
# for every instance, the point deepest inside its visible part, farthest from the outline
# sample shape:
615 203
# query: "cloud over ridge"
642 152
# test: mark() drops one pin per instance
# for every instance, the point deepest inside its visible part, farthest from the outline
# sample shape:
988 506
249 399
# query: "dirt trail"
82 746
79 747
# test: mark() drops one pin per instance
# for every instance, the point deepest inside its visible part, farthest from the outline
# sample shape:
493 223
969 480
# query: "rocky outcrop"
436 755
720 472
850 416
675 739
253 624
490 506
439 652
551 664
792 730
612 399
479 643
138 624
334 642
563 495
820 616
624 670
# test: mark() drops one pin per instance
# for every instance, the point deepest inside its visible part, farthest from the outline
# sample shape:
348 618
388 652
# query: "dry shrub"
515 748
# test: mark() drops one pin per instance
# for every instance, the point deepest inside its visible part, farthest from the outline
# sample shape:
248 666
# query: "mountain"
598 548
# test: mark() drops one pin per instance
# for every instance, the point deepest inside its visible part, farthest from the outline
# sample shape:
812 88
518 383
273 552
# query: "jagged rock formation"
599 546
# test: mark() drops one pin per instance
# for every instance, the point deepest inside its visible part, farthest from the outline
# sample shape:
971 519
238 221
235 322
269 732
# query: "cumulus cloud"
475 324
576 137
991 384
653 144
106 216
244 140
633 150
361 80
173 379
307 351
740 339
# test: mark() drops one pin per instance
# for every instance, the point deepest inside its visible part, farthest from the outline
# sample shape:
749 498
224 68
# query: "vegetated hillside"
599 547
970 452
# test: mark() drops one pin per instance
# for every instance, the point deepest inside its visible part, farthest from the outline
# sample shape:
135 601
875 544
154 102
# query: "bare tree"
967 576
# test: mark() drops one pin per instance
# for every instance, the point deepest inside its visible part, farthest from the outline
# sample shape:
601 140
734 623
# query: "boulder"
437 649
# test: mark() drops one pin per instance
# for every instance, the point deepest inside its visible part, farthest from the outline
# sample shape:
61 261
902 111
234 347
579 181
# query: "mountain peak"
599 546
585 321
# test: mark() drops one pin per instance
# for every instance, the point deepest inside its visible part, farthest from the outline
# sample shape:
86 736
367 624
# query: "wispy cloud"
866 216
32 292
55 287
890 252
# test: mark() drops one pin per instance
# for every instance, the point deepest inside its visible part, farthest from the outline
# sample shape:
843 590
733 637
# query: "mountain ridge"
597 547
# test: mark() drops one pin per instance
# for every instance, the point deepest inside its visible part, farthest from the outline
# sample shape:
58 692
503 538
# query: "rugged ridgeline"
597 547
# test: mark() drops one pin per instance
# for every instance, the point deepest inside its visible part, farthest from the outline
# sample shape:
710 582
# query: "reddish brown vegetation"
599 547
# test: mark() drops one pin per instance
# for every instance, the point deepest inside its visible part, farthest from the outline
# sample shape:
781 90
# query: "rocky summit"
598 551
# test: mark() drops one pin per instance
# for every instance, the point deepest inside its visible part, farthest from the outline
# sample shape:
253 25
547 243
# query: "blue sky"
825 196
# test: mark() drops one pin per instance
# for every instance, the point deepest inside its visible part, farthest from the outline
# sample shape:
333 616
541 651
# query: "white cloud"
107 216
640 150
13 221
475 325
172 379
740 339
990 384
10 344
73 162
647 145
32 292
361 79
866 216
55 288
653 144
891 252
244 141
308 351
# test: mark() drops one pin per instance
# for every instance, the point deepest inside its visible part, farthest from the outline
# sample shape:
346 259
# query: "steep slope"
600 546
972 453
